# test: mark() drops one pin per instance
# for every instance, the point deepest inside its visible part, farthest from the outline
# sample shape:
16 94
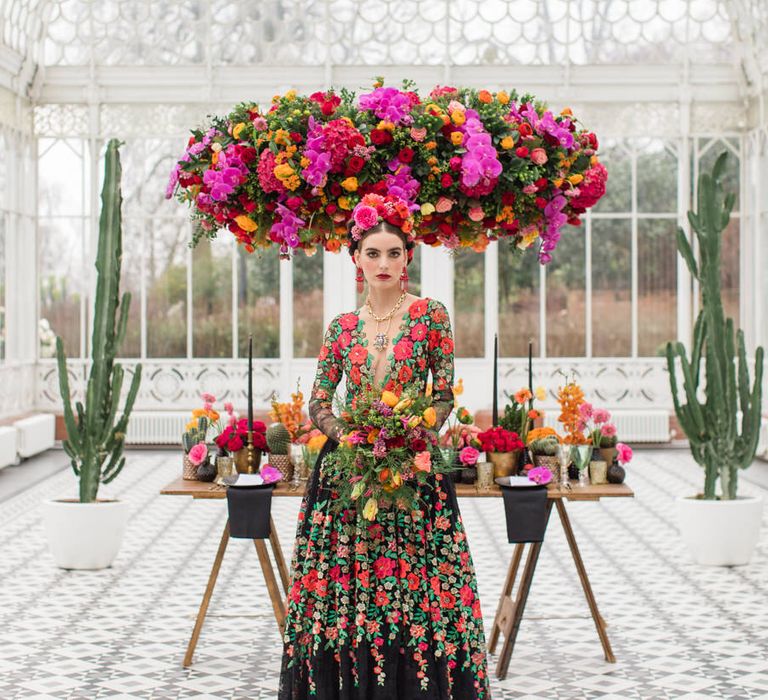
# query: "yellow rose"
507 142
427 209
396 481
290 95
575 179
430 417
557 182
457 138
458 388
246 223
385 125
283 171
540 393
344 203
502 97
389 399
238 130
370 509
458 117
350 184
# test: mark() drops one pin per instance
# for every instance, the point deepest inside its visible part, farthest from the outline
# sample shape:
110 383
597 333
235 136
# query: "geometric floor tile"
678 630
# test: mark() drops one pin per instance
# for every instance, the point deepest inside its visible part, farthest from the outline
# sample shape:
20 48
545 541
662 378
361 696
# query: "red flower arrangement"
499 440
234 437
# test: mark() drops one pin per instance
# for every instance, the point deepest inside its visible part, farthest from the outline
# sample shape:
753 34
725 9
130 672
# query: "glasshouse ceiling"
52 50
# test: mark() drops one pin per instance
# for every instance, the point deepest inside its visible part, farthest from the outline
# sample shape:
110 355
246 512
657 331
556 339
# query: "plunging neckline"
362 339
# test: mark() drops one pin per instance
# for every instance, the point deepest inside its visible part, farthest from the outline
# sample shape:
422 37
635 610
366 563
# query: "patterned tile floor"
678 630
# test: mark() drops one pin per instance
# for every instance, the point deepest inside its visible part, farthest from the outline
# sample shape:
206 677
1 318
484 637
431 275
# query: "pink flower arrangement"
594 422
468 456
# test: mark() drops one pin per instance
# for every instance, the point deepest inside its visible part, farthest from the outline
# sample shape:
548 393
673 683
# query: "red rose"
331 208
540 202
525 129
541 183
446 180
355 165
327 108
335 189
405 155
418 445
454 163
381 137
521 152
508 199
296 137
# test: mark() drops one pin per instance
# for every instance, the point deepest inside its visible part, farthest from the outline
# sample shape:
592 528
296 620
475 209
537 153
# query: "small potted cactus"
544 453
279 442
195 449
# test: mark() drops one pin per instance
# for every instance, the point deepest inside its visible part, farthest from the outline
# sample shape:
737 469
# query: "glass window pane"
258 302
60 177
656 178
519 288
307 304
611 285
729 270
61 284
212 298
166 270
566 317
146 165
618 189
656 285
130 281
468 302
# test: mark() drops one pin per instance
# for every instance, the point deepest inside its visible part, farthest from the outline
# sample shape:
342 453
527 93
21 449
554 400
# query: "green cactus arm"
699 333
122 323
114 467
684 247
690 387
729 370
73 433
750 422
116 389
744 389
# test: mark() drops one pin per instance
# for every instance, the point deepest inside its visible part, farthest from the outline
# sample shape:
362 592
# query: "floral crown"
374 209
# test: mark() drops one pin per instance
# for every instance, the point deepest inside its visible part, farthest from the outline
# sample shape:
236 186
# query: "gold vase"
283 463
504 463
241 461
598 471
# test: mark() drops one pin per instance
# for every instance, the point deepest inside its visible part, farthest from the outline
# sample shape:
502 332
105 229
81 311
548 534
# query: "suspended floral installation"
472 166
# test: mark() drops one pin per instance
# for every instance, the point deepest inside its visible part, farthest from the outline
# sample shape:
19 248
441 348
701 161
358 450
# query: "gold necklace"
381 340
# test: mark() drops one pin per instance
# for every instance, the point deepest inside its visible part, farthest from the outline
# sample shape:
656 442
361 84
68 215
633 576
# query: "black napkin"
249 511
526 511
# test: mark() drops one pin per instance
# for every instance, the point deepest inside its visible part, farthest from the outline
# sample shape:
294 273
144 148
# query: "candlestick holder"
251 454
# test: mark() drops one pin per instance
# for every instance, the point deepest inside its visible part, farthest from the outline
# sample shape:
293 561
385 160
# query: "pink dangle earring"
359 279
404 280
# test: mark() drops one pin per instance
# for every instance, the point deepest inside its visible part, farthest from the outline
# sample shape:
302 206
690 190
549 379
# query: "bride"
389 608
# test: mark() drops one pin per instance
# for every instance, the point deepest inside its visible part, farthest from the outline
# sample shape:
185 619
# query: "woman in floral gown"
389 608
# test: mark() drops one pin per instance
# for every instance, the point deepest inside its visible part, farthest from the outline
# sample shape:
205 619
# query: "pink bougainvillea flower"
540 475
270 474
624 452
198 453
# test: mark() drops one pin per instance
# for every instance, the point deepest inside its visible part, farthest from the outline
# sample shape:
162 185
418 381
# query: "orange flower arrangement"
290 414
570 398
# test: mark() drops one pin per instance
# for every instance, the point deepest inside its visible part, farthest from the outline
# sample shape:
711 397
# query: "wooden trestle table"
509 611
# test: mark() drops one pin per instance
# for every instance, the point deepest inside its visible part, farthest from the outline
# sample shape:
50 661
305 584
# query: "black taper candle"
250 383
530 365
495 415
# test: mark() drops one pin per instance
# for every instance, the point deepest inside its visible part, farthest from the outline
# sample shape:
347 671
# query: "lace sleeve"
327 378
441 363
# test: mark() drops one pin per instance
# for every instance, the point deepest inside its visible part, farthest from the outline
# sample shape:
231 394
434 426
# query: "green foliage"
278 439
95 441
718 442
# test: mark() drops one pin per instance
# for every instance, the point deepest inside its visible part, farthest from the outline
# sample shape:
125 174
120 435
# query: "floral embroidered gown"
389 608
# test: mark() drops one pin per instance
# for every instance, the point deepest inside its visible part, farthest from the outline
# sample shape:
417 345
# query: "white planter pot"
720 533
84 535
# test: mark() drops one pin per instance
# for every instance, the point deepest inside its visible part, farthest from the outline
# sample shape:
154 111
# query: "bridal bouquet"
386 452
471 165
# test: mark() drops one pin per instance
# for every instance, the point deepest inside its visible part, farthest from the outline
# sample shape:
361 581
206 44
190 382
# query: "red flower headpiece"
373 209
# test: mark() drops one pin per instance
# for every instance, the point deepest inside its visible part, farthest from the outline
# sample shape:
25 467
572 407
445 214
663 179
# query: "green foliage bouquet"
388 450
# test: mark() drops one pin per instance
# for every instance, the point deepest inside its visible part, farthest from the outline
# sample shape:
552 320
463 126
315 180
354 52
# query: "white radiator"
35 434
7 446
632 426
156 427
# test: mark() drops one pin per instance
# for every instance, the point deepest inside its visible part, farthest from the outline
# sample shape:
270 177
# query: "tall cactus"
717 441
94 441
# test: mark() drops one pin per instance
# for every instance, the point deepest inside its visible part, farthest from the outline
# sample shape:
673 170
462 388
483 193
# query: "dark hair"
382 227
